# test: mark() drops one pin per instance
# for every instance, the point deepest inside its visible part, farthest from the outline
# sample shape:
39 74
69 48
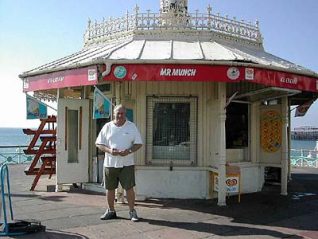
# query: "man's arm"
105 149
135 147
131 150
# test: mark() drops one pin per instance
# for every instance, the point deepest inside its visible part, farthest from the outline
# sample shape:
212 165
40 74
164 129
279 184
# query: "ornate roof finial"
209 8
136 9
177 7
174 13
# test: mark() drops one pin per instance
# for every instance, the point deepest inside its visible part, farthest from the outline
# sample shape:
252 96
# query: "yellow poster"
271 131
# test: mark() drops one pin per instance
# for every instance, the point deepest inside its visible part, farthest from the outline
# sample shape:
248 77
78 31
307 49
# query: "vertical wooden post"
222 145
284 157
289 141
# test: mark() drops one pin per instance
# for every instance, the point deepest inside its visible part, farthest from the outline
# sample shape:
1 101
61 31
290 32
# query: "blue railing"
14 154
304 158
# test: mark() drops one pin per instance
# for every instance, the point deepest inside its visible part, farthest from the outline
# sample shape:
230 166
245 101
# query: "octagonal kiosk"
200 87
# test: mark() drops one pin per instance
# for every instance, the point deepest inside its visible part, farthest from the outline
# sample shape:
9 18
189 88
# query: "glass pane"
171 131
236 126
72 139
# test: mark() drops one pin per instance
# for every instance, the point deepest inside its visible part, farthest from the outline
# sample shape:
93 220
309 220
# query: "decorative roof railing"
115 27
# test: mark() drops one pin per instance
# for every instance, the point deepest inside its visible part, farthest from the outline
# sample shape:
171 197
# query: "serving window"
171 130
237 132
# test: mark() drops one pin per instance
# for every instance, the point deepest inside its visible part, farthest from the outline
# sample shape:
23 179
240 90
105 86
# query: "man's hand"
124 152
115 152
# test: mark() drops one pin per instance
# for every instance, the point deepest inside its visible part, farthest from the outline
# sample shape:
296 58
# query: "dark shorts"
125 175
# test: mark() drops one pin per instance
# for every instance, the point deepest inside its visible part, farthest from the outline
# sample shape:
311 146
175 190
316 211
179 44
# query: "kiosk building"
201 88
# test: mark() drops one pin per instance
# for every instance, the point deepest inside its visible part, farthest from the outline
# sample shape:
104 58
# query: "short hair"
120 106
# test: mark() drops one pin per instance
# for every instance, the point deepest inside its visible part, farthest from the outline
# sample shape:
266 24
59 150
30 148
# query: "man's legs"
131 198
110 212
111 181
110 194
131 203
127 180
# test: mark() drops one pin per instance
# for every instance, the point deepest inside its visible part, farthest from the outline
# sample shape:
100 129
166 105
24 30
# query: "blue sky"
35 32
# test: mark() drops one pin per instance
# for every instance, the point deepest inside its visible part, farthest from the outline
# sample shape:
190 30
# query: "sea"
12 138
12 143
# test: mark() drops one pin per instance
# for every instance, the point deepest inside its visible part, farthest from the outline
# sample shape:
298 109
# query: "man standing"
119 139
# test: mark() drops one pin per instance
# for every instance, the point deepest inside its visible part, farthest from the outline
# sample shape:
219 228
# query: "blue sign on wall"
102 106
35 108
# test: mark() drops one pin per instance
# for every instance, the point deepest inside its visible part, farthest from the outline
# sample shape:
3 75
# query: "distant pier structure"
305 133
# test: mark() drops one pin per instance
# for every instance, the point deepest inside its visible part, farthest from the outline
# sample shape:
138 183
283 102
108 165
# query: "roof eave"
69 67
169 61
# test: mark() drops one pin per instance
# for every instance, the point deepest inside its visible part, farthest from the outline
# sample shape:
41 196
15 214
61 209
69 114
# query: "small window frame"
151 101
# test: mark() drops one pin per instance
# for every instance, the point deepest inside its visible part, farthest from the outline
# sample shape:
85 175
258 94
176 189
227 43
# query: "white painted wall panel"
251 178
162 183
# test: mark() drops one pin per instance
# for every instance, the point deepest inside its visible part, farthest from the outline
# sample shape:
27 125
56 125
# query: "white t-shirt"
121 138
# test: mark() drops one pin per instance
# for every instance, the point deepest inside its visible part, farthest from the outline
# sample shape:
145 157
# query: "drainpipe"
284 156
108 66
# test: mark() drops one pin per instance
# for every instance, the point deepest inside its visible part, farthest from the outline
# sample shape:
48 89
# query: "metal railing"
304 158
14 154
116 27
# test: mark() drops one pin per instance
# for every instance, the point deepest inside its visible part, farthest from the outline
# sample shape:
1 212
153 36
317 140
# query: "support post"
222 146
284 156
222 163
289 141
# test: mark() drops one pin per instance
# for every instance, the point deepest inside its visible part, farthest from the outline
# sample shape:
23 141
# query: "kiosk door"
72 141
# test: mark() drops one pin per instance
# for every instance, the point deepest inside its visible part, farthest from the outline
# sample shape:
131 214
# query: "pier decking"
75 213
305 133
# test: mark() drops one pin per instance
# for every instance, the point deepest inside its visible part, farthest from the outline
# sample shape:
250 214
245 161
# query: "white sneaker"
133 216
108 215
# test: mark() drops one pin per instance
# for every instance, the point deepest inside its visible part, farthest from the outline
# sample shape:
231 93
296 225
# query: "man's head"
119 115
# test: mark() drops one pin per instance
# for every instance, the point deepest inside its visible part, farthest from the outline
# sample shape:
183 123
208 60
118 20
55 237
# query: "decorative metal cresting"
173 15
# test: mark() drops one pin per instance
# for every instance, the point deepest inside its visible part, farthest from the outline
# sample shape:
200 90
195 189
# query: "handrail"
304 158
14 146
5 191
9 227
298 158
14 157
